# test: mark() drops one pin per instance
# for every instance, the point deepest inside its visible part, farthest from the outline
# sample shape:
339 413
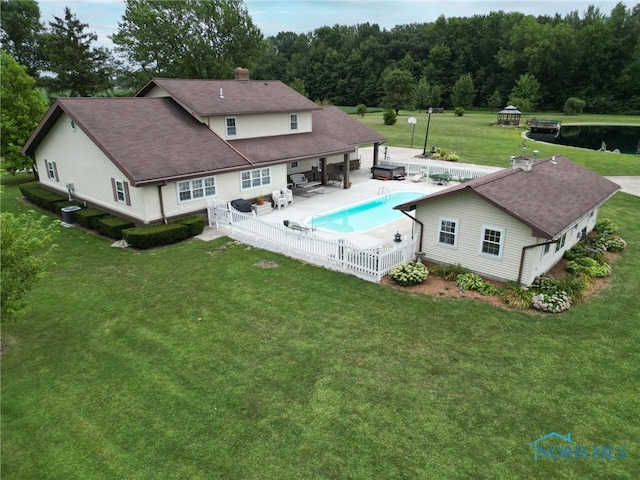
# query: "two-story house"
177 143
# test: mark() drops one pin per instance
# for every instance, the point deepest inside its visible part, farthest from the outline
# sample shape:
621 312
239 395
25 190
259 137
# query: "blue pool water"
362 217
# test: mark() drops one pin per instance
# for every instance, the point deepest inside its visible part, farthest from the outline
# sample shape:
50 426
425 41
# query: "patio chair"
298 179
334 177
288 193
295 226
279 199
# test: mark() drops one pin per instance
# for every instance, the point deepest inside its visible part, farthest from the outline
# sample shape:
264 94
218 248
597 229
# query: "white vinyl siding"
189 190
259 177
260 124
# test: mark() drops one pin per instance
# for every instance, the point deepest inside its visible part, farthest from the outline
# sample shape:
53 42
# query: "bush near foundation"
42 197
195 225
88 216
112 226
155 235
409 273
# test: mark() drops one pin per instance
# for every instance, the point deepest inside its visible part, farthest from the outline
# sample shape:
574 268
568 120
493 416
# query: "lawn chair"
295 226
279 199
288 194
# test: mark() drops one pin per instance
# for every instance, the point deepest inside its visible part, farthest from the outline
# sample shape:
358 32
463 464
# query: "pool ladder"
383 191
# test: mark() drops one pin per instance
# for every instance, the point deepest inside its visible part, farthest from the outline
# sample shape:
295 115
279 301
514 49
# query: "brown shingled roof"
550 198
149 139
238 97
334 133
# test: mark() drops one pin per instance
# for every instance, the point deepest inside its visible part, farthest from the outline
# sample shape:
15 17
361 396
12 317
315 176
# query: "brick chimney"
241 73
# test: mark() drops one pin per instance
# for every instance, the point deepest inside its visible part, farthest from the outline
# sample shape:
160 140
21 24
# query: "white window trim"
501 244
52 171
226 127
120 188
204 189
562 241
262 184
297 122
456 233
546 248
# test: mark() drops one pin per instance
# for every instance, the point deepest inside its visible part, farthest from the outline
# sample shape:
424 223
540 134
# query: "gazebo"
509 116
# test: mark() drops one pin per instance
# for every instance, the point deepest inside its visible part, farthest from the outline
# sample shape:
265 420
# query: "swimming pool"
365 216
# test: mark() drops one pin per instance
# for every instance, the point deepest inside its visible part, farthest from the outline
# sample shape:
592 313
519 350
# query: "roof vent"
241 73
221 95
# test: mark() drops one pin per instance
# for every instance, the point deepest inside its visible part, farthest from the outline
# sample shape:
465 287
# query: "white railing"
457 172
367 263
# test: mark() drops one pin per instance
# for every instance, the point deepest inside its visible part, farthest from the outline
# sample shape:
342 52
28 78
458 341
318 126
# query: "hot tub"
388 172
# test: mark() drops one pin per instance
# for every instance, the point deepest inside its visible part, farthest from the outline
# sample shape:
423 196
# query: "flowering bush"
552 303
605 225
610 243
409 273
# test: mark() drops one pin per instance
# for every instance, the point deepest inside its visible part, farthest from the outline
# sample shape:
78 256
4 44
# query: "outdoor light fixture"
397 237
424 150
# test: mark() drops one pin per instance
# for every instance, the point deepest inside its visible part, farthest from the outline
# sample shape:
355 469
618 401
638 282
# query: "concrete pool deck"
363 187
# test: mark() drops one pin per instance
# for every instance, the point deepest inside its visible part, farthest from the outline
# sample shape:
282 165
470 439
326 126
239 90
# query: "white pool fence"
458 173
370 264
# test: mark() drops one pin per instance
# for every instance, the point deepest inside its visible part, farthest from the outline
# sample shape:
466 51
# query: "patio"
363 187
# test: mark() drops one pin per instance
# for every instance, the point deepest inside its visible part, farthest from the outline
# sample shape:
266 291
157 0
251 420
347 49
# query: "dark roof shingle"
550 198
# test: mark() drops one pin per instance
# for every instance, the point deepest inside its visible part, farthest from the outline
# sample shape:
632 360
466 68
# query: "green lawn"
476 140
193 362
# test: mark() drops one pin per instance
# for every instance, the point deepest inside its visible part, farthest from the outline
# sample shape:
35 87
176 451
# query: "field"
213 360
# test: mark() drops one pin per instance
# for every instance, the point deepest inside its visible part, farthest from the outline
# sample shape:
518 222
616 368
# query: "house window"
294 164
561 242
120 191
448 232
52 170
545 249
255 178
492 240
293 122
189 190
232 131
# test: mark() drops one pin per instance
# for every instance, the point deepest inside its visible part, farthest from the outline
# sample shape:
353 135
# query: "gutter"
421 229
162 212
522 255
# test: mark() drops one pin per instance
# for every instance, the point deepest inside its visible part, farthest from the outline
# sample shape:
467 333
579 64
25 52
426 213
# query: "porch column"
345 170
375 154
323 170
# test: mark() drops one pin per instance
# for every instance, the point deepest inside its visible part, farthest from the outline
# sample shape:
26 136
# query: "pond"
624 138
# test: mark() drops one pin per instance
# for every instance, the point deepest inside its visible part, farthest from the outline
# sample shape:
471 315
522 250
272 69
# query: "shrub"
574 106
516 296
605 226
452 157
42 197
409 273
471 281
194 224
574 285
579 250
459 111
112 226
452 271
389 117
87 216
155 235
361 109
611 243
589 267
552 303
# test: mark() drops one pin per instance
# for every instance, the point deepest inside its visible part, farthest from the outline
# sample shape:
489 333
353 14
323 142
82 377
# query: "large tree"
399 90
463 92
25 254
526 93
22 32
187 38
21 108
80 69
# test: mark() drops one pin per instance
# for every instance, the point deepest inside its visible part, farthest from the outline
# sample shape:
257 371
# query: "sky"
303 16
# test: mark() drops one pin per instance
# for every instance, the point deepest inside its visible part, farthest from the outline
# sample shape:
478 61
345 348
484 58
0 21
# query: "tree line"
479 61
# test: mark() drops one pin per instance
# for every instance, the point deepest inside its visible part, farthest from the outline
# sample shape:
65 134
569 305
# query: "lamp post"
424 150
412 121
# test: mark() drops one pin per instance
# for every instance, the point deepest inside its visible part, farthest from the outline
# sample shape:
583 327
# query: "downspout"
164 216
421 229
524 249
